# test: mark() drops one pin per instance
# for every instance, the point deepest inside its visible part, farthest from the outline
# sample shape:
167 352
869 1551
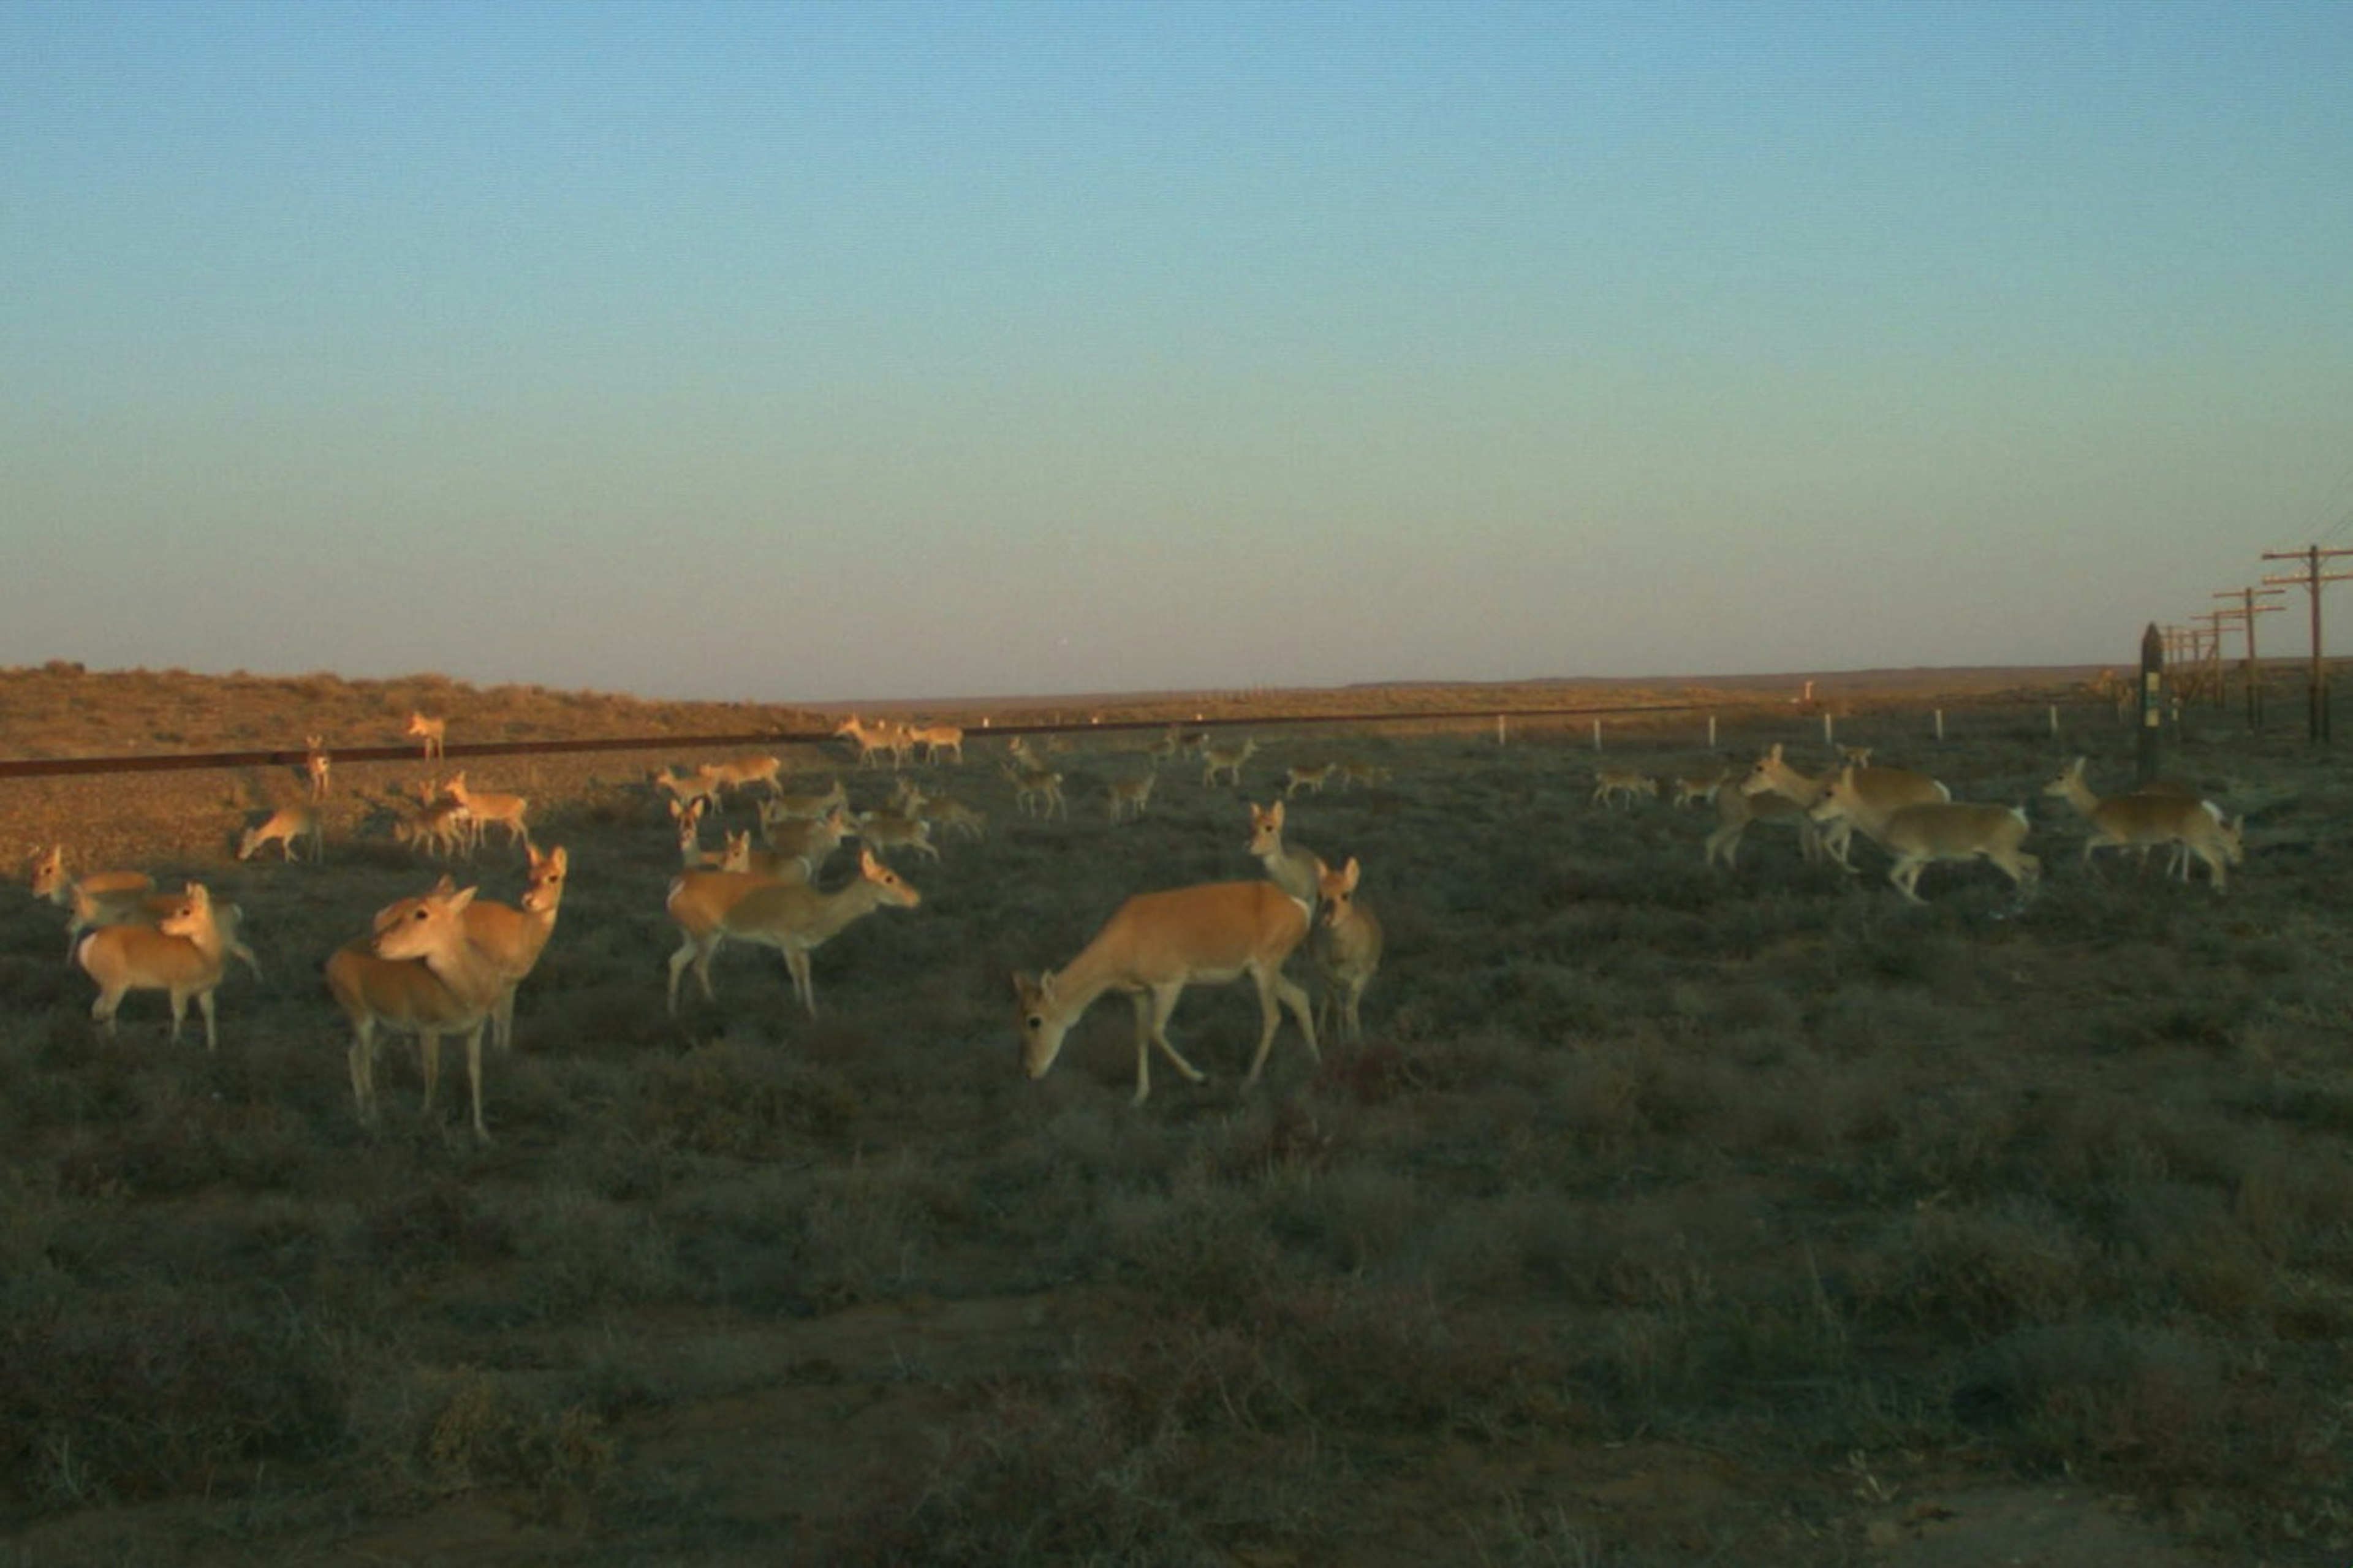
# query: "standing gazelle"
794 920
433 732
421 974
507 811
1155 946
1347 949
316 765
1293 868
185 954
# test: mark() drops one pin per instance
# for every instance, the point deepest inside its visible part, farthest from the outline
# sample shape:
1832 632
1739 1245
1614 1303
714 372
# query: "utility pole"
2152 704
2245 613
2209 656
2316 689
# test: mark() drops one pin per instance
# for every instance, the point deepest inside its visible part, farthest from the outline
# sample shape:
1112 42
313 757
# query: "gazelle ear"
1348 876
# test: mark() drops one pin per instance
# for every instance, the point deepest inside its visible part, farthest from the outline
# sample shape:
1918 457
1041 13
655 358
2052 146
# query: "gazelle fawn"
1155 946
1293 868
184 953
420 973
1347 949
1611 786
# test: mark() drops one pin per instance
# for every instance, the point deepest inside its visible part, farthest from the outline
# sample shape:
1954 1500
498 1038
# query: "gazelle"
735 856
439 828
316 765
1295 779
433 732
184 953
2193 828
285 828
1920 834
889 830
742 773
1040 787
883 735
1129 797
420 973
937 738
809 805
699 787
1698 787
1226 757
90 899
1613 784
810 843
513 936
1155 946
507 811
1873 793
794 920
1854 756
1354 771
1347 949
1734 813
954 817
1293 868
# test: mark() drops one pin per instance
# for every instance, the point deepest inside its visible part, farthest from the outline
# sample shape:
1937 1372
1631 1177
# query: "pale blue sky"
814 352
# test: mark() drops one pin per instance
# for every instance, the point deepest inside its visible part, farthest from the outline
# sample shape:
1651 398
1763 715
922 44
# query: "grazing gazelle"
794 920
1294 868
316 765
285 828
1920 834
1129 797
1873 793
1348 950
185 954
1226 757
2144 819
420 973
433 732
1155 946
506 811
1612 784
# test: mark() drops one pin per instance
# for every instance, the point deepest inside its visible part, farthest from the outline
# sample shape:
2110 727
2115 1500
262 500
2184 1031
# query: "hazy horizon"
947 351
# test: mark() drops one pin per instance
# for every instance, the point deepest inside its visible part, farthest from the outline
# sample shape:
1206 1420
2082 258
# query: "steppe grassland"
1764 1167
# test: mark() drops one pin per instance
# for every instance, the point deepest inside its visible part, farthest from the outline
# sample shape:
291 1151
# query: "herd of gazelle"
447 962
1915 818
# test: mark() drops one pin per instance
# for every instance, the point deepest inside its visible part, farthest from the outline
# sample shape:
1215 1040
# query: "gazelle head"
1042 1031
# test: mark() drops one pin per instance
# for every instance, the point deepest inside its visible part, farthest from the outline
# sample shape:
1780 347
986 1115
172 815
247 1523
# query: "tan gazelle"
1921 835
420 973
489 810
2192 827
184 953
794 920
433 732
1873 793
1152 948
286 827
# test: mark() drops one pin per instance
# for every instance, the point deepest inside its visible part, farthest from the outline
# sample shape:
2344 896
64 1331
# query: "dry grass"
1762 1180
